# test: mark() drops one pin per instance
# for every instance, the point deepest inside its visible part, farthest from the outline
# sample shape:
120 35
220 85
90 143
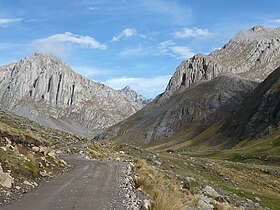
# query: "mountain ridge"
245 54
134 96
46 90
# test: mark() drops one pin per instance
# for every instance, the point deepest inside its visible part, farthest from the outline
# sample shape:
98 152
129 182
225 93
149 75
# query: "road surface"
89 185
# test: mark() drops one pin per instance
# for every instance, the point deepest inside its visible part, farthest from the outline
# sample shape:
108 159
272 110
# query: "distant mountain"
202 92
134 96
46 90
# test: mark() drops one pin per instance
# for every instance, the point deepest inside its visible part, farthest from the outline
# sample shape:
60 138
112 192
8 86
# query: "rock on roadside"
5 179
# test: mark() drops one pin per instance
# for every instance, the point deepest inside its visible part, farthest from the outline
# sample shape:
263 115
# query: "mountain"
191 109
203 90
134 96
259 115
255 121
46 90
252 54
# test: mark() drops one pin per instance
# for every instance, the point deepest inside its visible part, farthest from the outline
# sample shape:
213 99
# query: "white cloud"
276 21
169 47
132 51
87 71
149 87
69 37
128 32
92 8
7 21
166 44
60 44
183 52
171 11
192 32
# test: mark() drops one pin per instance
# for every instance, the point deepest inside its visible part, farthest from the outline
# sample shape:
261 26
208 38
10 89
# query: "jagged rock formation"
252 54
192 108
134 96
44 89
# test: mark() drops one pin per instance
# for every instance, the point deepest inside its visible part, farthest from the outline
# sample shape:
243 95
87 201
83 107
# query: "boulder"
5 179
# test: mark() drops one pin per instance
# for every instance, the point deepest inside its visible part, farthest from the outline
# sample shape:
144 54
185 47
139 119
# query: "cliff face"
43 88
252 54
134 96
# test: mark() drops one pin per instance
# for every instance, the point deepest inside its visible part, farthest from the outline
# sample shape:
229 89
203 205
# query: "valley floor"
208 180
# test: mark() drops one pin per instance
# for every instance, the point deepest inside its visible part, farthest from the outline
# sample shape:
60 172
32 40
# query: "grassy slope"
24 134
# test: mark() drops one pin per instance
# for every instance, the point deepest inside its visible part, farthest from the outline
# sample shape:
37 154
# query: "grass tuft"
164 192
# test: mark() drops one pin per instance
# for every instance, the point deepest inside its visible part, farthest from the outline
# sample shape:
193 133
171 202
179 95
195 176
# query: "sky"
138 43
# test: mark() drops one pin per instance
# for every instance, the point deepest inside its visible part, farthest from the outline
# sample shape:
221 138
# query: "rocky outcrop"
134 96
192 108
252 54
44 89
259 114
5 179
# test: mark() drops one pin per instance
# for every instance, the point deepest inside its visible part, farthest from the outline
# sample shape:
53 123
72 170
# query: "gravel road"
89 185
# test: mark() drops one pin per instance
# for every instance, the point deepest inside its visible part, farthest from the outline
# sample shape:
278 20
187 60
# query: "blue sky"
126 42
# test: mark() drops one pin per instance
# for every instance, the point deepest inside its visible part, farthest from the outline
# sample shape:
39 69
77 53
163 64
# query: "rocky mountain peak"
258 28
43 61
127 88
46 90
252 54
134 96
258 33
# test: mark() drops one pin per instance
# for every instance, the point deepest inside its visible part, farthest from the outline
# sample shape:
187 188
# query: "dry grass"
222 206
164 192
101 151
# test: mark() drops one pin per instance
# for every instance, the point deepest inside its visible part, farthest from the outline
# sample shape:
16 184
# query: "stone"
210 191
35 149
28 183
257 199
4 149
5 179
17 187
52 155
44 150
147 204
8 141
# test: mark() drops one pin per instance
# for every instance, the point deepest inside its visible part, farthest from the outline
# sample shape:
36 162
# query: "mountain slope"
134 96
44 89
260 113
191 109
255 123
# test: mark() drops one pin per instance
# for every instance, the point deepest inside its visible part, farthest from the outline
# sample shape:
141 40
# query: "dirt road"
90 185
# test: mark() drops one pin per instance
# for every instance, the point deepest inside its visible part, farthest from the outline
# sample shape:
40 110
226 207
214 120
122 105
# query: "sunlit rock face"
44 89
